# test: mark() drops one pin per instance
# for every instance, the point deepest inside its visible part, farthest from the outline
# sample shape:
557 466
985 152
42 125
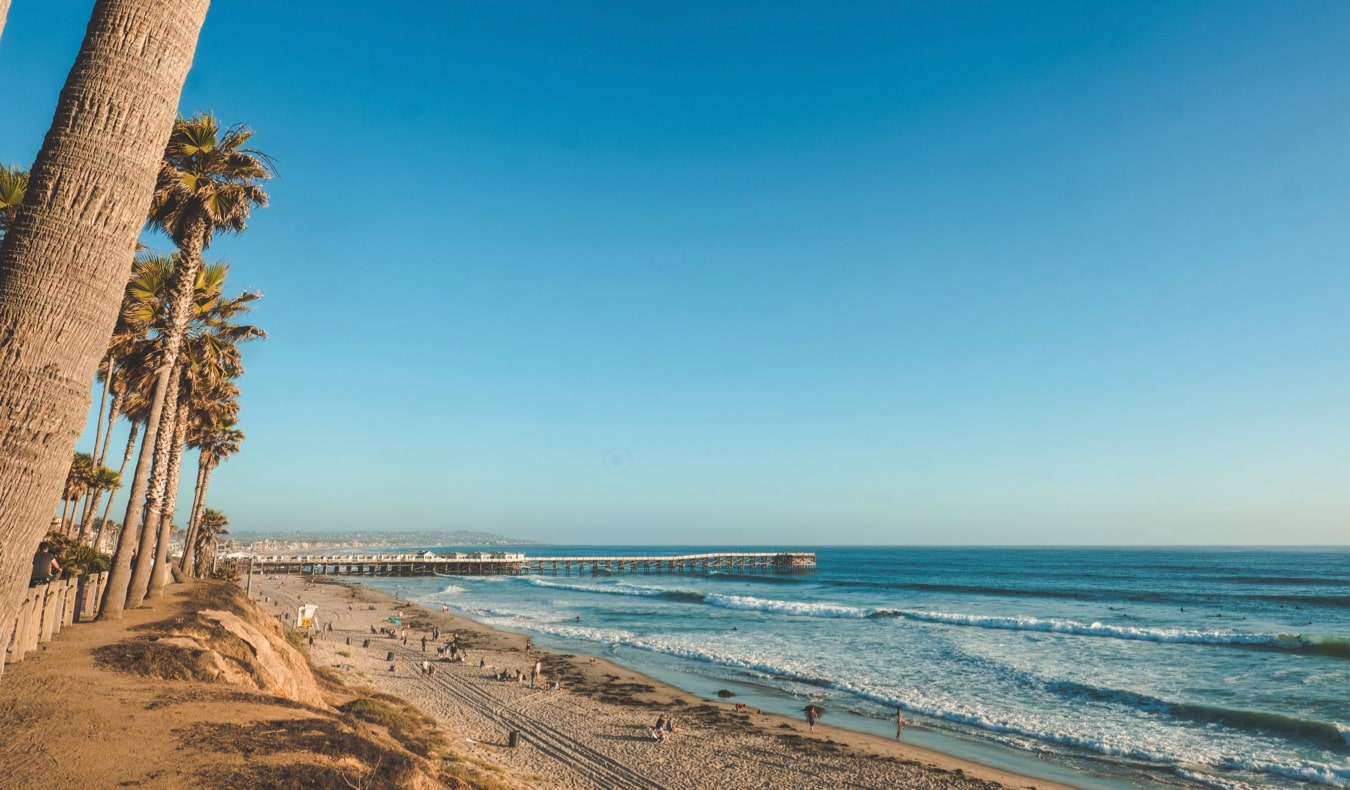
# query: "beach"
594 731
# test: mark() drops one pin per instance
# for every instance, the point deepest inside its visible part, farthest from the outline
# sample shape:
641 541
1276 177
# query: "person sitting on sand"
660 724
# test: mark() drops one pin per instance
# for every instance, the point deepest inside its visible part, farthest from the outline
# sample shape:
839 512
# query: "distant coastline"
301 541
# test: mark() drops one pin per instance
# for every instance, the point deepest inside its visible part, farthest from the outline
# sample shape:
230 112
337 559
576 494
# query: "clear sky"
779 272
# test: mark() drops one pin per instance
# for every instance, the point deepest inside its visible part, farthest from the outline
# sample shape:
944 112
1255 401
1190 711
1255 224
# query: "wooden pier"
510 564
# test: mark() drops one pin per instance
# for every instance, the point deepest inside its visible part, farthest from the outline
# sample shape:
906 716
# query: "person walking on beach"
812 714
899 722
424 643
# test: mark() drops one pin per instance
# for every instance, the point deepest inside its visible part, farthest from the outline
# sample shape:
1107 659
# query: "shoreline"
595 730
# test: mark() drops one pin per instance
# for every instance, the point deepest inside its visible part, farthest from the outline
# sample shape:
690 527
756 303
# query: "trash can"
513 740
390 656
365 643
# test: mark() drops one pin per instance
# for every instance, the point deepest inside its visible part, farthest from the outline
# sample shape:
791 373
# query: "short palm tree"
77 483
216 438
102 479
212 526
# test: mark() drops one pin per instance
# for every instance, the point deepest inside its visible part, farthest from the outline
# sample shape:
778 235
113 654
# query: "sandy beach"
593 731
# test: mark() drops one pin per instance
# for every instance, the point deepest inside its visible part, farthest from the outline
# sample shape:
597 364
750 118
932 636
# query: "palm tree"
210 362
216 438
77 483
102 479
144 319
143 316
209 181
212 526
65 260
127 332
13 184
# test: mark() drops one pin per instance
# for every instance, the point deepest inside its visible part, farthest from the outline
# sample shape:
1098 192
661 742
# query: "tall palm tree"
210 361
126 333
13 185
65 260
144 315
210 181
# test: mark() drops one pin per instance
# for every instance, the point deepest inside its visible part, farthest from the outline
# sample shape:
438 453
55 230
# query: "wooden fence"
47 608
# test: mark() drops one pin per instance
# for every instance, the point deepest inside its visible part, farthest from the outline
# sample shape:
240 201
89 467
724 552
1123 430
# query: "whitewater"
1226 668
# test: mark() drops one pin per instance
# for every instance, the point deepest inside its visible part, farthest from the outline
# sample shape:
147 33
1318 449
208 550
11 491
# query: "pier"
512 564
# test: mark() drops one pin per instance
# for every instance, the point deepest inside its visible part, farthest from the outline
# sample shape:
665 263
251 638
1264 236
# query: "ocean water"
1194 667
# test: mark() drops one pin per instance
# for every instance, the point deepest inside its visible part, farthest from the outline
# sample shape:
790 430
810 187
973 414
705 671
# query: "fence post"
33 607
68 600
50 613
86 597
18 645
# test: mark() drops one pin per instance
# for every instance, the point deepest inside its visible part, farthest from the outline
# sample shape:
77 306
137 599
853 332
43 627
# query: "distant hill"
375 538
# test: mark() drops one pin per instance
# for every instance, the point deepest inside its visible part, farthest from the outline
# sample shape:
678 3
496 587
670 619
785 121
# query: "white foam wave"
603 589
1331 776
1213 781
1076 628
793 608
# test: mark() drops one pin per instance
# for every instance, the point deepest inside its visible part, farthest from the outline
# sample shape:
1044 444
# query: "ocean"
1098 667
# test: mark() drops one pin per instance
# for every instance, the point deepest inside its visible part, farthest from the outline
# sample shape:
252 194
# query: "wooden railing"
47 608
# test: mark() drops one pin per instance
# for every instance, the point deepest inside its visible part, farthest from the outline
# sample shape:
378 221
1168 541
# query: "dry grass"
406 724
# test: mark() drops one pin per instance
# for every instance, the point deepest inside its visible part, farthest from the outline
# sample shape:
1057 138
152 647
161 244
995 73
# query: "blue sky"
782 273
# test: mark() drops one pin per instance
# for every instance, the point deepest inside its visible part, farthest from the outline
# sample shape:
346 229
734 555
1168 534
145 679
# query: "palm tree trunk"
65 505
102 405
126 457
84 511
182 286
198 500
161 576
89 515
158 479
107 436
128 541
65 261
